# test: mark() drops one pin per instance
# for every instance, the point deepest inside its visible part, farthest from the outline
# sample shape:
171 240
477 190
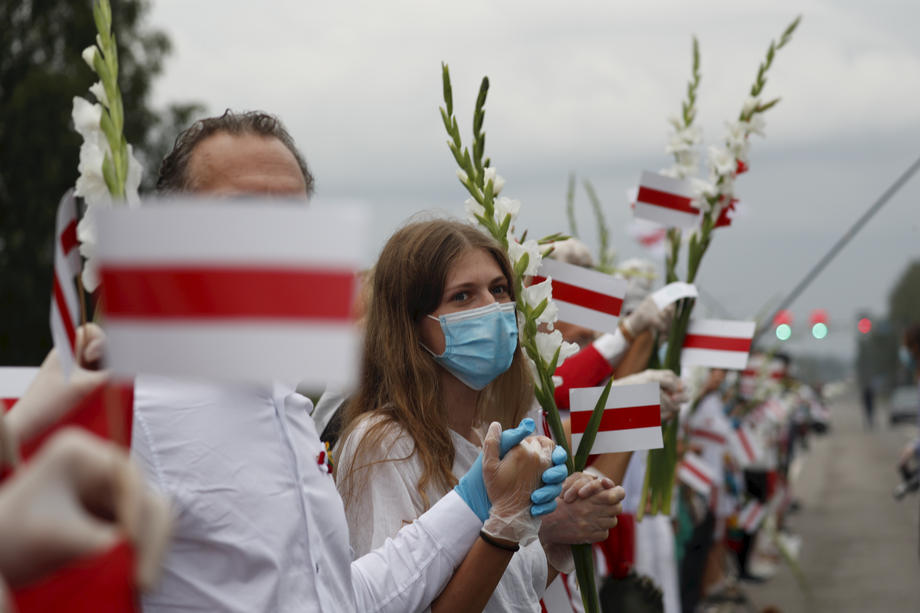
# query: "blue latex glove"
471 487
544 498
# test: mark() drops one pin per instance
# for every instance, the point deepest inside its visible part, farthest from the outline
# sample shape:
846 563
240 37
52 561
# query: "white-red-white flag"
745 447
666 200
751 516
631 419
585 297
717 343
249 291
65 305
696 473
14 380
650 235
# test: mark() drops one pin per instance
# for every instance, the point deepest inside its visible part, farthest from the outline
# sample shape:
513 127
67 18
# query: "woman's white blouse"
387 499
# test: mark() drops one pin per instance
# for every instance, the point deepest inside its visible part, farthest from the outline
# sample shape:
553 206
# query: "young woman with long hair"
441 360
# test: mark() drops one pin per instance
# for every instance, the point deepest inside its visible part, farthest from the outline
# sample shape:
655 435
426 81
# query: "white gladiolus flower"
506 206
737 138
473 209
721 161
98 90
91 184
534 294
461 174
750 105
567 350
547 344
89 56
534 257
684 139
86 234
756 125
86 117
497 181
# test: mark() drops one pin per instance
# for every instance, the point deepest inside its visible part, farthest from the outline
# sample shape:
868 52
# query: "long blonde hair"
399 379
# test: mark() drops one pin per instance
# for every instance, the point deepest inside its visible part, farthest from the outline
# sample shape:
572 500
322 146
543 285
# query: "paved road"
860 547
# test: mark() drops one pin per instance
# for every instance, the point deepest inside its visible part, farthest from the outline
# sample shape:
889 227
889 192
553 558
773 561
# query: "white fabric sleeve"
409 571
612 346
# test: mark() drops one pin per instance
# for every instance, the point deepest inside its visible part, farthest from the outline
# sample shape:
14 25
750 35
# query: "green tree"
41 70
904 299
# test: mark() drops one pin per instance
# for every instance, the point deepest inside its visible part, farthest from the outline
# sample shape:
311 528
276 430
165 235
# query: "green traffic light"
819 330
783 332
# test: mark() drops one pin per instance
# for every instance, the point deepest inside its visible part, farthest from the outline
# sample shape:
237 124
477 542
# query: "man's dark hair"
173 175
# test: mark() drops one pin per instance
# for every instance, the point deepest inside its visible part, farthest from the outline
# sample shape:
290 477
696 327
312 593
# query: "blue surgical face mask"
479 343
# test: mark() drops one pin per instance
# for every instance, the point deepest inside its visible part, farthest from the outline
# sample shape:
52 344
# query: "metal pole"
840 244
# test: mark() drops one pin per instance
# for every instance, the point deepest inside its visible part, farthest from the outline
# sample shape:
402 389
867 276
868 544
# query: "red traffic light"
783 317
864 325
818 316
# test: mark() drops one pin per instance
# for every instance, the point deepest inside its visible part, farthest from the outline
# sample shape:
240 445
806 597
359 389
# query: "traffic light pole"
840 244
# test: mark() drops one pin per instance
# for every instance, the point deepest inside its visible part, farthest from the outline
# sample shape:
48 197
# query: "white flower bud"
497 182
461 174
98 90
89 56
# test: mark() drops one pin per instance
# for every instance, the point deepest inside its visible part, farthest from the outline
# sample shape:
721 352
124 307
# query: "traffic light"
864 325
818 321
782 324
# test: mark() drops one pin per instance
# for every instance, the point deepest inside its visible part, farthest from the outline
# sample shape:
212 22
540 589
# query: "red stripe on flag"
581 296
693 469
627 418
227 293
746 444
713 436
64 313
719 343
7 403
666 200
69 237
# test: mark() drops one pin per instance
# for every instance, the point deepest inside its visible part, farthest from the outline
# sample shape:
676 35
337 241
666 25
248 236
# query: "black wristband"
494 543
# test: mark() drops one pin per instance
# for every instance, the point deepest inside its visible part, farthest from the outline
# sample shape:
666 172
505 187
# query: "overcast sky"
586 87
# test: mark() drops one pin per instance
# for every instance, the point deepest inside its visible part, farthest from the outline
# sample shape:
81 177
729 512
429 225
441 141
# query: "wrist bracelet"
494 543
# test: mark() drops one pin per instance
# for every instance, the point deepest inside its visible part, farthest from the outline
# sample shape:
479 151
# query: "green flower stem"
482 192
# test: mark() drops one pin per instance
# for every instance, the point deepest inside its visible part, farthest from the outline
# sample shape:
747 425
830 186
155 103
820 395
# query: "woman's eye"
459 297
500 290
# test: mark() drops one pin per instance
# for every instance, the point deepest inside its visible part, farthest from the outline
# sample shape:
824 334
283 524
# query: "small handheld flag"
585 297
667 201
631 419
717 343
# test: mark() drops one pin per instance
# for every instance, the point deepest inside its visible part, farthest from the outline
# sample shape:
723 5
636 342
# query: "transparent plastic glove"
472 488
78 497
510 483
51 394
673 393
648 315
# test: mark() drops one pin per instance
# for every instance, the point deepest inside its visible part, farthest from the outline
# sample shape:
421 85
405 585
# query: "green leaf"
448 94
538 310
587 440
570 204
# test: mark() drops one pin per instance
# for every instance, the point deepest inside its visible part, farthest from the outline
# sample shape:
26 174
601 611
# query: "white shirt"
259 523
386 497
710 417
